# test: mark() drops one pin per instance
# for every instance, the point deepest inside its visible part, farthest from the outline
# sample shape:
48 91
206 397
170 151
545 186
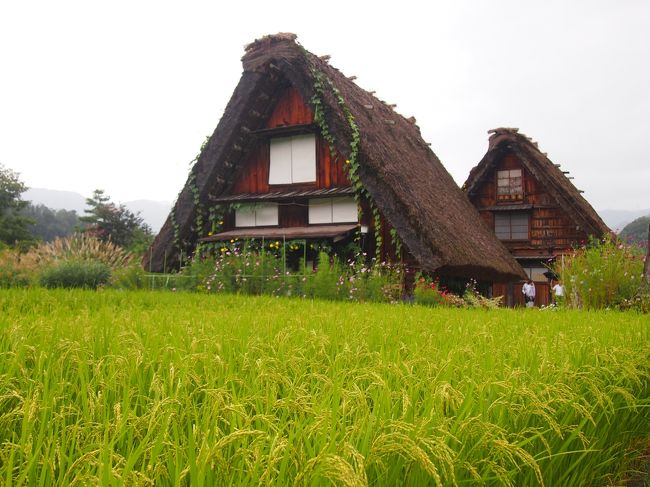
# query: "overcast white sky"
120 95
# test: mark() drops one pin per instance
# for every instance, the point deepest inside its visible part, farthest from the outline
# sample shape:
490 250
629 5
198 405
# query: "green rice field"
161 388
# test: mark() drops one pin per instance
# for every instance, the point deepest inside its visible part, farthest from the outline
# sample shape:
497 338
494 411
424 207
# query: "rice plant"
146 388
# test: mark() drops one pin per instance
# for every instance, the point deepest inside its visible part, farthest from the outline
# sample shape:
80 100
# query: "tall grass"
140 388
601 274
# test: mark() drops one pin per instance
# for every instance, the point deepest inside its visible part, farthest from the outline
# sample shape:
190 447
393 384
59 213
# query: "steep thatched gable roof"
407 182
558 185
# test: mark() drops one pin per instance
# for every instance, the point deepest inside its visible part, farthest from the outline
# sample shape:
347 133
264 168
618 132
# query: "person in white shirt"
558 293
528 289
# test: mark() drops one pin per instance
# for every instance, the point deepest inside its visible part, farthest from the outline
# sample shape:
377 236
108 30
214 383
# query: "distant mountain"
617 219
55 199
154 213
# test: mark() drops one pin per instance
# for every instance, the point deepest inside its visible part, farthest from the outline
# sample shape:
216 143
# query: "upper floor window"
293 159
257 215
511 226
510 185
333 210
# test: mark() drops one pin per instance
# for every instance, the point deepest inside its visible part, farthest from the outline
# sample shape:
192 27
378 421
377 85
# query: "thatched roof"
419 198
508 140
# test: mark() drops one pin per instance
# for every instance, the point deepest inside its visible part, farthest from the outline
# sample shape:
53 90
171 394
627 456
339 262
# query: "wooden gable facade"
532 207
291 116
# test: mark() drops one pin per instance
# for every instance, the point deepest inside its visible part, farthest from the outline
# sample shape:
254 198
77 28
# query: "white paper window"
509 182
333 210
293 160
344 210
258 215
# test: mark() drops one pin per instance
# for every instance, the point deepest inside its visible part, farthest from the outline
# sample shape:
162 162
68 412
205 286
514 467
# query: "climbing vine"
352 164
196 202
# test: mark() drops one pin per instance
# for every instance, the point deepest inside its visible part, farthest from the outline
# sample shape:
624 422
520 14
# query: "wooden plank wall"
254 175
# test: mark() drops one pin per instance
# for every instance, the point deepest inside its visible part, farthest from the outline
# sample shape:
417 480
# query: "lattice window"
511 226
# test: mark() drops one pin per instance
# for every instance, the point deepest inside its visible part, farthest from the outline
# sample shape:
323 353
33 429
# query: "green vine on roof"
196 194
198 207
175 227
352 164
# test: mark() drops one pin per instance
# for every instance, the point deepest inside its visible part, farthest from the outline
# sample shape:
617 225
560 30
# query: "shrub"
601 274
131 277
78 247
76 274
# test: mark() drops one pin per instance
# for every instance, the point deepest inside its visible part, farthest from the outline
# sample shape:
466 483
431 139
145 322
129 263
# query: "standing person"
558 293
528 289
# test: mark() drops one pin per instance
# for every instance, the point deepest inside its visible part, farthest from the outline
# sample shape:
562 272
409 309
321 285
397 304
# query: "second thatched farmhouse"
302 152
532 206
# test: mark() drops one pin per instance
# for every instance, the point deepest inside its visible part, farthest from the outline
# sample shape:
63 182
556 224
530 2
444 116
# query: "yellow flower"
347 161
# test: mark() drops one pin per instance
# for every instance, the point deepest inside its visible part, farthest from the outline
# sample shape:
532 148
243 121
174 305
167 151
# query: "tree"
50 224
108 221
13 225
637 231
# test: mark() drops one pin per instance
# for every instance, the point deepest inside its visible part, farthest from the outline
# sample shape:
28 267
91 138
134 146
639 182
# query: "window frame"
298 172
330 204
514 192
254 208
511 235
